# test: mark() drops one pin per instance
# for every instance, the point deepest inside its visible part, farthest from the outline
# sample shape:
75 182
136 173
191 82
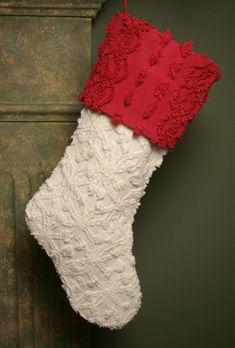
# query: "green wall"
184 229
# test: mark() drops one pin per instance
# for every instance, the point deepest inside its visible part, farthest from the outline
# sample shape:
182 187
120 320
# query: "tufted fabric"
82 216
147 81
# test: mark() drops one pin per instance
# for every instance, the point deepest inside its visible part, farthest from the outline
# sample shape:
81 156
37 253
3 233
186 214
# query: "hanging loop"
124 6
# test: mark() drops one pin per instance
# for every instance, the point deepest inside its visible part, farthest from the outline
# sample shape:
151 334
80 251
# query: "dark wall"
184 229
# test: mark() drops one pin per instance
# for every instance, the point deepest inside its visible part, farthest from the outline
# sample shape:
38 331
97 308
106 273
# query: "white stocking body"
83 214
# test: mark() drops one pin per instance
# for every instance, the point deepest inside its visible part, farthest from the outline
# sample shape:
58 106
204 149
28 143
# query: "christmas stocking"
143 91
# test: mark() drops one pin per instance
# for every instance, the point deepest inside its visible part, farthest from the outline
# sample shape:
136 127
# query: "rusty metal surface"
44 61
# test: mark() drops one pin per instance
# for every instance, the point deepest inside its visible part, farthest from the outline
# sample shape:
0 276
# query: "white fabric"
83 214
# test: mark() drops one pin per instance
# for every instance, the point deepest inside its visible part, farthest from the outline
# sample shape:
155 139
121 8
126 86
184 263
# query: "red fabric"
147 81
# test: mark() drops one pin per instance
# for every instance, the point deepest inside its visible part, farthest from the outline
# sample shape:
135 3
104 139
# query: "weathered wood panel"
34 309
45 57
44 60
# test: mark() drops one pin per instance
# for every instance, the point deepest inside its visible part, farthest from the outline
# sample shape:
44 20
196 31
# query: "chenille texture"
143 91
82 216
147 81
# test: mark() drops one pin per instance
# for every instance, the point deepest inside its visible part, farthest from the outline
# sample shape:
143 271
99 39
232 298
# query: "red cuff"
147 81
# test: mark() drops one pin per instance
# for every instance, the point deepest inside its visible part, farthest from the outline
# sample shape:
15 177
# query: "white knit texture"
83 214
